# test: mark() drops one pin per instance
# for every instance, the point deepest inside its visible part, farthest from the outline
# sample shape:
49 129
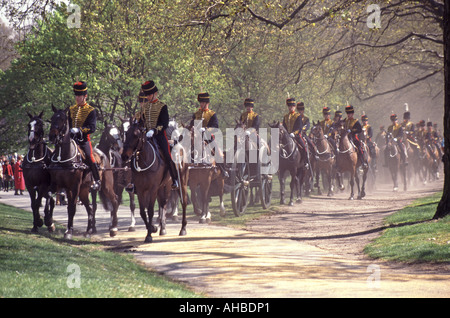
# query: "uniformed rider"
82 123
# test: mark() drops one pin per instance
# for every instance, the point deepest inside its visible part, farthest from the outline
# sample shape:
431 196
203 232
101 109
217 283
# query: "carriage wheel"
240 182
265 180
266 191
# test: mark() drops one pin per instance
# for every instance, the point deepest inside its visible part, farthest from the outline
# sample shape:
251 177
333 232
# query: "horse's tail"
107 195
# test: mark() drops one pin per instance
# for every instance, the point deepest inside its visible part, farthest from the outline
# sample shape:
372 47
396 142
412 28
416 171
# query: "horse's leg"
317 183
282 185
84 198
71 209
37 221
204 197
48 209
150 227
405 183
162 202
132 208
352 183
329 174
299 184
184 204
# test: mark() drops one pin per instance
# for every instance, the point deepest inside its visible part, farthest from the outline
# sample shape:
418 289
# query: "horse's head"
239 124
134 138
59 125
35 129
111 137
317 130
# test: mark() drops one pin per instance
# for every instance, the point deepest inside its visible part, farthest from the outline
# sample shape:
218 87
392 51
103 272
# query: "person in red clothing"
7 175
19 181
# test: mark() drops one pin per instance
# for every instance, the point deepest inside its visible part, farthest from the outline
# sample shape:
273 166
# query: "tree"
443 208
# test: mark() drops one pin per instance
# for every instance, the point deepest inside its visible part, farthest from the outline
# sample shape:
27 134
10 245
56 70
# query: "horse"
290 161
430 160
69 172
151 178
393 157
347 161
205 180
111 145
324 159
37 177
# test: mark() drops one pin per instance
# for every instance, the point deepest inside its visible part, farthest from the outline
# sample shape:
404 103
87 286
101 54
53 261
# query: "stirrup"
96 185
175 185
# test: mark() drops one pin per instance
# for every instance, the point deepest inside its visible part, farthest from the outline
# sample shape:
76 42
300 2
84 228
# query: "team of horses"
128 159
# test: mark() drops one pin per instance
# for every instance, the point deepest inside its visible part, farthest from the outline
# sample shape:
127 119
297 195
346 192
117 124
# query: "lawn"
412 236
46 265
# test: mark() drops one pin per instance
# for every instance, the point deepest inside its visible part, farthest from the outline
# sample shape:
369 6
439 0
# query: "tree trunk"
443 208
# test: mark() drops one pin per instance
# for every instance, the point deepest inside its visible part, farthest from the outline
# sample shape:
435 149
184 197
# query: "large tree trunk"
444 205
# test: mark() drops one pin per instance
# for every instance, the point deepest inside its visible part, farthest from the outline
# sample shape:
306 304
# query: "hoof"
35 230
291 203
131 229
299 201
148 239
162 232
183 233
68 235
113 232
202 221
351 198
395 189
40 222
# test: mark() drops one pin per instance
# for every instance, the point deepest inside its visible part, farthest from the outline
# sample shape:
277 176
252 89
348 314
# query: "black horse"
290 161
37 177
69 172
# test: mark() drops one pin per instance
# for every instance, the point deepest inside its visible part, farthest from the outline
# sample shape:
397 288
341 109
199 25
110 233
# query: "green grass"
412 236
37 266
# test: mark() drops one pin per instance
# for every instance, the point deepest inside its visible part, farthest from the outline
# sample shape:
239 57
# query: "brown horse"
205 180
111 145
37 177
69 172
347 161
324 159
393 157
151 178
291 162
429 155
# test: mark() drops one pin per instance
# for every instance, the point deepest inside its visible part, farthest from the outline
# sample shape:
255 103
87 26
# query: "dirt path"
309 250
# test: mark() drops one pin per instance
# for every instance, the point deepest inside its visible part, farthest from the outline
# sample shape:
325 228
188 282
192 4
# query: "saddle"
99 156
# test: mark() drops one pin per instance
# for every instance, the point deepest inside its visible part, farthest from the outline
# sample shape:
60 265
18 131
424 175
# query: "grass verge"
39 266
411 236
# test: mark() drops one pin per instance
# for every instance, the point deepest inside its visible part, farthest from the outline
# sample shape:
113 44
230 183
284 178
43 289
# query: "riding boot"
97 183
173 174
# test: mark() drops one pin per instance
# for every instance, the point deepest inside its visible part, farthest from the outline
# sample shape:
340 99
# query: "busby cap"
338 113
290 101
394 117
300 106
141 97
249 102
349 109
326 110
364 117
149 88
80 88
429 124
203 97
422 123
406 115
